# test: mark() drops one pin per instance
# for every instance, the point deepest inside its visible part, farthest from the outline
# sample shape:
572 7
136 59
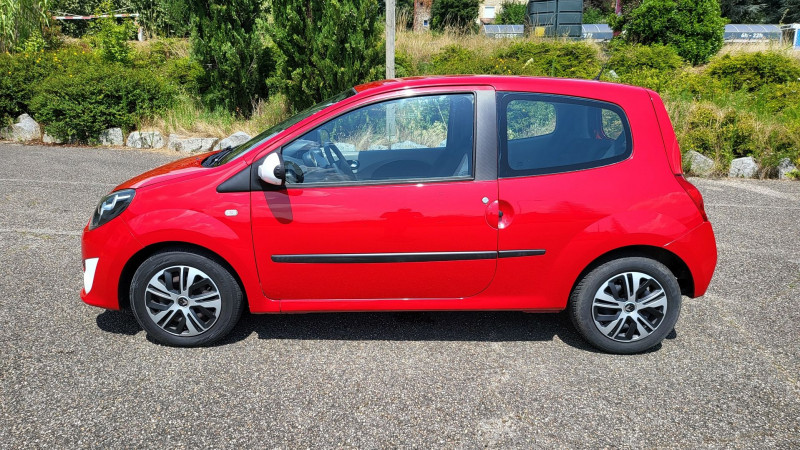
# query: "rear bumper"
105 251
698 249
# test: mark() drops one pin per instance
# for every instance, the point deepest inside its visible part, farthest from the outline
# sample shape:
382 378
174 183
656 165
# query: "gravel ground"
75 376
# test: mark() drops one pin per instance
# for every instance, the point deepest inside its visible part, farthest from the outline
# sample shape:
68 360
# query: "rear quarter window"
541 134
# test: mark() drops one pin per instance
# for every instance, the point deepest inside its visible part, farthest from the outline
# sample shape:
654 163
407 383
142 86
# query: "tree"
227 41
693 27
21 20
454 13
512 13
326 47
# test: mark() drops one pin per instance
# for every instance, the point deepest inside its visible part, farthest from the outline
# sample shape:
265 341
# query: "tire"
611 319
185 299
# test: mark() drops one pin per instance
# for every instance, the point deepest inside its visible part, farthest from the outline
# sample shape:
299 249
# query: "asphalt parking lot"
76 376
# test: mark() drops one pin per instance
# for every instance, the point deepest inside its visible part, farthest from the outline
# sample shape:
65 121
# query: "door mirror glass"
271 170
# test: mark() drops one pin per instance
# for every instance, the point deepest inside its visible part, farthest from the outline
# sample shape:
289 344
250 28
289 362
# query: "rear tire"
185 299
627 305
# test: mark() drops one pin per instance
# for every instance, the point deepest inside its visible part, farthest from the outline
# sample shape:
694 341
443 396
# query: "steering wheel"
339 162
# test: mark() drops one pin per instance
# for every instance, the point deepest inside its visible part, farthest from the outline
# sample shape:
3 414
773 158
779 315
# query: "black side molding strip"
361 258
517 253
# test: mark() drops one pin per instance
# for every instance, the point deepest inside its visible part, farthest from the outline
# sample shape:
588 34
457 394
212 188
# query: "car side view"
434 193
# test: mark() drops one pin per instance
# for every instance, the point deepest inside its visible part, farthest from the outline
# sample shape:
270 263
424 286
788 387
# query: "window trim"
408 181
504 170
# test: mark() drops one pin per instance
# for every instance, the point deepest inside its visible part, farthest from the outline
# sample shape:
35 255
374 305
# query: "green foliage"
547 58
227 40
22 23
781 97
326 47
78 103
653 66
110 37
693 27
162 17
594 15
459 14
512 13
751 71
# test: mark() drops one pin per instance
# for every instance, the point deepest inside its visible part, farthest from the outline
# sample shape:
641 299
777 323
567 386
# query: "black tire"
196 314
632 324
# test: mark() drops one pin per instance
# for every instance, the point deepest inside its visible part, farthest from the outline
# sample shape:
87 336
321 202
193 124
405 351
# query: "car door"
383 201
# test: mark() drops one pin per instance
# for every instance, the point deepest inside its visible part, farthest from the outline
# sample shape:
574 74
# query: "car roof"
499 82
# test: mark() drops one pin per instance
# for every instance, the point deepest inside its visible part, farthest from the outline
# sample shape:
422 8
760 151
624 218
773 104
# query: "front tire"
185 299
627 305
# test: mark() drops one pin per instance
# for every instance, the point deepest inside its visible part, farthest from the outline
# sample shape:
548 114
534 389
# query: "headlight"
111 206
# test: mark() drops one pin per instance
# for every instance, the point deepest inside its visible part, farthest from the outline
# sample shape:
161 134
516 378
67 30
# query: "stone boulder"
47 139
699 164
743 168
784 167
190 144
26 129
145 139
234 140
111 136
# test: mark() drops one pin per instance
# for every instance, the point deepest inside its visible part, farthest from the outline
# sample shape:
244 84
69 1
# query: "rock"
145 139
784 167
442 144
344 147
111 136
699 164
26 129
234 140
378 147
47 139
191 144
743 168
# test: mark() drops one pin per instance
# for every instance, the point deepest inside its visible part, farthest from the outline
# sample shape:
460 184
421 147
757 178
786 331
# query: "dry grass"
188 118
421 47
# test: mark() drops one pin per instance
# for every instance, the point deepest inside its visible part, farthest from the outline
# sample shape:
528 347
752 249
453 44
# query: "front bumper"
105 251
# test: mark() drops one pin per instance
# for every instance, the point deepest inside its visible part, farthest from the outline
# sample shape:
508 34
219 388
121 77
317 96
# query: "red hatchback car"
448 193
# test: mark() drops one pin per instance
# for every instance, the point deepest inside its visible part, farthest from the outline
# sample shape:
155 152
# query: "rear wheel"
626 305
185 299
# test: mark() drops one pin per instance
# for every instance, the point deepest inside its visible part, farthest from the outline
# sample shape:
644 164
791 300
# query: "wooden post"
390 24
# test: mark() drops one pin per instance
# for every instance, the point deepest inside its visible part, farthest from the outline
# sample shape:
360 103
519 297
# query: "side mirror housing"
271 170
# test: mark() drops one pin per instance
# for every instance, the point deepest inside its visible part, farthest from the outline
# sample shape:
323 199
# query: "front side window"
542 134
415 138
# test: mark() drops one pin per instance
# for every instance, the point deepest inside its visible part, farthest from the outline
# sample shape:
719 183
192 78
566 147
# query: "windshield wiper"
212 160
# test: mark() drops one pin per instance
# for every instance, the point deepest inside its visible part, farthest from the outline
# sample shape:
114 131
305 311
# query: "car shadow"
478 326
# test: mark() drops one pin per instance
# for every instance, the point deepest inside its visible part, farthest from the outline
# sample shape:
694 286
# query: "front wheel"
627 305
185 299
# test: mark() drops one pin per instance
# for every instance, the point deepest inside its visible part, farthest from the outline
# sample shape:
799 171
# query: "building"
489 9
422 15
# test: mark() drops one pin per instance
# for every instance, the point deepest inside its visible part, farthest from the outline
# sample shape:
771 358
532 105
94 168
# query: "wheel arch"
123 288
673 262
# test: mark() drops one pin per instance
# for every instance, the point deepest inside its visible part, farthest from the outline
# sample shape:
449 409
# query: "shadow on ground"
389 326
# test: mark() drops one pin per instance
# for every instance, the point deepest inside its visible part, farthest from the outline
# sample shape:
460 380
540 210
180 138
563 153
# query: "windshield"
275 129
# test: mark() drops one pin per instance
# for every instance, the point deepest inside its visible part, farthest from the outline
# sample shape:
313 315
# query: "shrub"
455 59
654 66
751 71
326 47
693 27
78 104
550 58
512 13
111 38
454 13
227 41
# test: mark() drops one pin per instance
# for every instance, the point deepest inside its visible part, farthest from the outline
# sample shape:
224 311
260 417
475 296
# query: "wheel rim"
183 301
629 306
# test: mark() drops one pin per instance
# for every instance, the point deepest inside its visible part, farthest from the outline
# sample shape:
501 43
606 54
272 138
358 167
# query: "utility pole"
390 24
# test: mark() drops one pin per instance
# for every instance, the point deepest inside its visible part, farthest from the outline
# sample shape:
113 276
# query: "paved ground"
72 375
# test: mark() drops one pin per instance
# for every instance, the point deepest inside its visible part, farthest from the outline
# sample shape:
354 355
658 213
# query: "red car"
448 193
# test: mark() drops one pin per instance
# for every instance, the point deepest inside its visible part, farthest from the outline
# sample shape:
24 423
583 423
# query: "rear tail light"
694 194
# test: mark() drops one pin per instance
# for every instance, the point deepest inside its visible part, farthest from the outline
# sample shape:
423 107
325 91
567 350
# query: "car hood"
168 172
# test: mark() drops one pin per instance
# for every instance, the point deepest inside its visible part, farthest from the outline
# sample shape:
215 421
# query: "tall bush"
751 71
326 47
512 13
693 27
454 13
227 40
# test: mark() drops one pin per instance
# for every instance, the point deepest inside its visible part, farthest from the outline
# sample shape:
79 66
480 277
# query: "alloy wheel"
629 306
183 301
